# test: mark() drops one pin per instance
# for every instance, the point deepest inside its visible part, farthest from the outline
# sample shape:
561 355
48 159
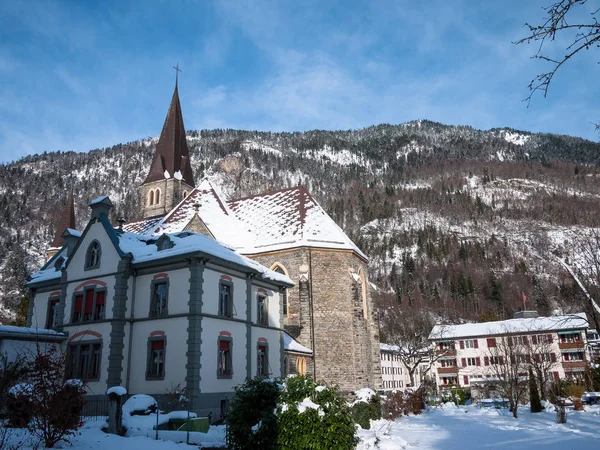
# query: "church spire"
65 219
172 157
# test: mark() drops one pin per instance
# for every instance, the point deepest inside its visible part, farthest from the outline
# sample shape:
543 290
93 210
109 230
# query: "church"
279 246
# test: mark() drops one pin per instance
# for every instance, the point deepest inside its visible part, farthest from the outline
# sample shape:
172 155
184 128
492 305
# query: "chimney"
526 315
100 207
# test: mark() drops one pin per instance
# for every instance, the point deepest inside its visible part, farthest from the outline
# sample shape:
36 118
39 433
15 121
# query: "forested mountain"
456 220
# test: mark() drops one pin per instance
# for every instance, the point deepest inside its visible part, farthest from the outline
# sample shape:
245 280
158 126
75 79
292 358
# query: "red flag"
524 301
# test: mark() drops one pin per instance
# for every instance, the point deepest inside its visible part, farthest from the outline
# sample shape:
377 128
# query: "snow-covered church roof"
268 222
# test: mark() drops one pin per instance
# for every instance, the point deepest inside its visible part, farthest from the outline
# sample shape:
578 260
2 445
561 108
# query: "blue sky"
79 75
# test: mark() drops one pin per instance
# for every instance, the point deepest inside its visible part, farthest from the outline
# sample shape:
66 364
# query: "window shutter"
556 377
553 357
491 342
224 346
476 343
462 345
478 361
534 339
78 303
157 345
100 298
512 359
525 342
538 358
465 379
464 362
89 301
550 339
500 359
486 361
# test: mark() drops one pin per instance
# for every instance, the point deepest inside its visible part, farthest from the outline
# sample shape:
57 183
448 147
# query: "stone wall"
332 321
171 193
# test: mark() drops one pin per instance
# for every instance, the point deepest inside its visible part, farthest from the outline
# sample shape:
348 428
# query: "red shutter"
464 362
78 302
550 339
486 361
89 301
224 346
462 345
512 359
157 345
491 342
100 298
478 361
566 357
500 359
476 344
534 339
525 341
553 357
556 377
465 379
538 358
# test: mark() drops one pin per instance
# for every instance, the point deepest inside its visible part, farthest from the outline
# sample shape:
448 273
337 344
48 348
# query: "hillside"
457 220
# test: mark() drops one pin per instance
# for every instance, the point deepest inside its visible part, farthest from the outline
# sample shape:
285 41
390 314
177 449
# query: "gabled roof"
287 218
143 226
502 327
172 157
65 219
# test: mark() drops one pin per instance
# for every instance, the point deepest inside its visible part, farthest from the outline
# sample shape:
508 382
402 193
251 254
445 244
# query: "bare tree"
541 358
509 364
581 36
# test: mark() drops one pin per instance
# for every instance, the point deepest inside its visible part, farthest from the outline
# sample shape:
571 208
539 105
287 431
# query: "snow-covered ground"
445 428
469 427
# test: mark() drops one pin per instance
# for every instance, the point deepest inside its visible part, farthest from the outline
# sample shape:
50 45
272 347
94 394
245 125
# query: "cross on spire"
177 70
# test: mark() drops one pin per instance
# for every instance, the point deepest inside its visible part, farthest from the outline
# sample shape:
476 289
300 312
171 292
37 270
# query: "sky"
82 75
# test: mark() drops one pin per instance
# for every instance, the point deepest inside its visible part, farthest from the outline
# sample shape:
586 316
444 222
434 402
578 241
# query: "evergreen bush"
291 414
534 394
364 412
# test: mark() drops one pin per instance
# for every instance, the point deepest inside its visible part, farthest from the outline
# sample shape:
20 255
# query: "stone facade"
170 192
331 311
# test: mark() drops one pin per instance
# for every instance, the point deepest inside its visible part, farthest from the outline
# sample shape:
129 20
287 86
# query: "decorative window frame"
157 338
262 311
153 284
264 344
91 287
283 292
88 256
74 367
226 282
225 375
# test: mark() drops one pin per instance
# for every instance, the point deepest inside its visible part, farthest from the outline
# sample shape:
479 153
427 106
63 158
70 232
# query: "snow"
473 428
11 329
515 138
363 395
307 403
73 232
74 382
177 175
292 345
20 389
138 402
553 323
117 390
167 175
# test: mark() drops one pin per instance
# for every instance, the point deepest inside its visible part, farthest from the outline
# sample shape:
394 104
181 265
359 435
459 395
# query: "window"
224 365
52 316
151 198
156 358
89 305
83 360
471 343
446 346
157 199
573 356
263 360
160 295
471 362
92 257
448 363
225 299
491 342
571 337
284 297
263 312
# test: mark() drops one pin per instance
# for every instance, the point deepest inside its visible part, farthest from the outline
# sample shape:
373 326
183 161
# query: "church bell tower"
170 177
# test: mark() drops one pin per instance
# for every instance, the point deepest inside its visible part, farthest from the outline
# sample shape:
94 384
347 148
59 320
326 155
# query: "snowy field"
443 428
469 428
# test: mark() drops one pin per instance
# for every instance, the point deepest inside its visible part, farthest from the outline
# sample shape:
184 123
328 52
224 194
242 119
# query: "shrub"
403 403
11 373
456 395
363 411
291 414
18 405
56 405
534 395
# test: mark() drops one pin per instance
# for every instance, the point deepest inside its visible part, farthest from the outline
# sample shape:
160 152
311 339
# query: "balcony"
569 345
570 365
445 352
447 370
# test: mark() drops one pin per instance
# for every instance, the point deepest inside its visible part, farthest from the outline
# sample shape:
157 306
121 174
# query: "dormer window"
164 243
92 258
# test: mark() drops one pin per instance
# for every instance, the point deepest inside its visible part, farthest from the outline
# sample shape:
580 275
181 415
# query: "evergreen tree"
534 395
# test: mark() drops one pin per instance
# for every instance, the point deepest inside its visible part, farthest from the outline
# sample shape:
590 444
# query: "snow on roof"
143 226
292 345
98 200
553 323
143 249
49 271
73 232
11 329
389 347
286 218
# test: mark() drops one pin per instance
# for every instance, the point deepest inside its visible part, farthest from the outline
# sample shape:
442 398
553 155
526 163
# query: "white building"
150 313
474 352
394 372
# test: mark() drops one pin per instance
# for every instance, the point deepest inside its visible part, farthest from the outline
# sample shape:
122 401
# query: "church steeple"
64 220
170 176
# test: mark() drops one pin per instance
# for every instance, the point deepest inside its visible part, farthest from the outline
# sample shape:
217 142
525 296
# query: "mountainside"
456 220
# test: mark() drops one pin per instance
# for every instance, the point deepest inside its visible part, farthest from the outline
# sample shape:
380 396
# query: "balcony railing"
445 370
574 364
569 345
445 352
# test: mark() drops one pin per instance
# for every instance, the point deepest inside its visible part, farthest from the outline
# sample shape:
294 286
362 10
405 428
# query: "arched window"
284 297
301 365
151 198
184 194
157 200
92 257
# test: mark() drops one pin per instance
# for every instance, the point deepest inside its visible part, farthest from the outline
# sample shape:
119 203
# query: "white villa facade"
395 374
471 354
151 313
